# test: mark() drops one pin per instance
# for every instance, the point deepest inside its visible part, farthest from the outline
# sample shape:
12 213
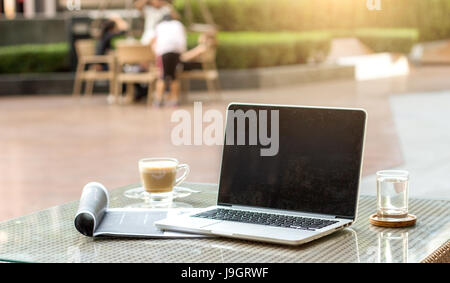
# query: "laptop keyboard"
277 220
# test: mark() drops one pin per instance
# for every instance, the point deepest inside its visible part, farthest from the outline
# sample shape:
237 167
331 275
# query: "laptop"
289 175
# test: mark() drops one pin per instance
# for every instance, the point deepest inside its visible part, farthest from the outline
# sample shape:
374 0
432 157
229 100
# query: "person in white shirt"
169 43
154 11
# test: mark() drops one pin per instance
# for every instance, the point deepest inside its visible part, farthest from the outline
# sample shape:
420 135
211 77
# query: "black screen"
317 167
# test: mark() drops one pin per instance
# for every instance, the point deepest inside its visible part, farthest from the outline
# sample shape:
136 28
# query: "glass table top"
50 236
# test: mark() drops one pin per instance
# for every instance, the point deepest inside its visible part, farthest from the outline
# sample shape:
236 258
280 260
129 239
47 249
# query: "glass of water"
392 193
393 247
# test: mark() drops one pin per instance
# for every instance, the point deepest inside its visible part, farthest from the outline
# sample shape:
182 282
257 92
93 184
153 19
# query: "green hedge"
241 50
236 50
382 40
430 17
34 58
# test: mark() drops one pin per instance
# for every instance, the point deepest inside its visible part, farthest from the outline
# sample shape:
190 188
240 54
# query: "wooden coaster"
409 220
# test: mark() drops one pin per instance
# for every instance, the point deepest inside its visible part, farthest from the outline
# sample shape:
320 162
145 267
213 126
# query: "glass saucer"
146 204
139 193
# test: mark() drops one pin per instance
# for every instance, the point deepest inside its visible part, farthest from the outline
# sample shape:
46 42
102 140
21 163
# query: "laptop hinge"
223 204
343 217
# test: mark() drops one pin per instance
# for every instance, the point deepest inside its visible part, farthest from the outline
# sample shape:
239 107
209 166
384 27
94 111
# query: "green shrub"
34 58
240 50
388 40
236 50
430 17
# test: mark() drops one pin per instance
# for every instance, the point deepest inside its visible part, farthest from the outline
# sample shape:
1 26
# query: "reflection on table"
50 236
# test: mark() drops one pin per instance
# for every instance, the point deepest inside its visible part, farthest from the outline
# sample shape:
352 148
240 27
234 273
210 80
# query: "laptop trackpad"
226 228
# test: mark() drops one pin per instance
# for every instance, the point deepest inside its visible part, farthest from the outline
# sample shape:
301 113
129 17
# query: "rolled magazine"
94 217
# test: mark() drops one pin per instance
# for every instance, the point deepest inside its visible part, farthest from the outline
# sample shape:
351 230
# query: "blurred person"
206 42
20 6
169 43
154 11
113 27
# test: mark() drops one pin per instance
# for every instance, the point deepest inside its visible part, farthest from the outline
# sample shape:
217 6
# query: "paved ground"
422 122
51 146
349 46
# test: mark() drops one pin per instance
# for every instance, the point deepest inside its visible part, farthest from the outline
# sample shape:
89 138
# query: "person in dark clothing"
112 28
169 43
115 26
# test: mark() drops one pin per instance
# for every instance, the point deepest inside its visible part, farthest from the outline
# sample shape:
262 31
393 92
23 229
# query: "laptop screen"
315 168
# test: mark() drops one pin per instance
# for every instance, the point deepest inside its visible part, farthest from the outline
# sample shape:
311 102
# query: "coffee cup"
159 177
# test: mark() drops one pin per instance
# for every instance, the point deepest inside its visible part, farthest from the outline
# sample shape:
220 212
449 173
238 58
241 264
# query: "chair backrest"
208 59
133 53
85 47
208 56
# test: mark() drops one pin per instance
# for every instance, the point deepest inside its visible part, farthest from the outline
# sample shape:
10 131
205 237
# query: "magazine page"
94 218
94 202
139 223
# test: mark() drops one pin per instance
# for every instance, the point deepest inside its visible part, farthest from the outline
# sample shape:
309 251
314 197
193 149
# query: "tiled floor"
422 120
51 146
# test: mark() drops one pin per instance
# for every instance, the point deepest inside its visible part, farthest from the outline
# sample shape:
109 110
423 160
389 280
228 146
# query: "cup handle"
186 172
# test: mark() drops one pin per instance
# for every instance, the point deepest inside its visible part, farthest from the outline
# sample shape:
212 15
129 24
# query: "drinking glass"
393 247
392 193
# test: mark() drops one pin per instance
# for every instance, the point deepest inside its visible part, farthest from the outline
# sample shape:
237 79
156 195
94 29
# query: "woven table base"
441 255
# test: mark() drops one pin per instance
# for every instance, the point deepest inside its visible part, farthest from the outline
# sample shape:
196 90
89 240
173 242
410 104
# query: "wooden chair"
208 72
133 54
86 72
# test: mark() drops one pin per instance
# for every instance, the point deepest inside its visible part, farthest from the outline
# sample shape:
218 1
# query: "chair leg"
188 86
183 88
111 86
89 87
77 87
218 89
150 94
112 93
78 81
185 85
129 94
117 92
211 88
